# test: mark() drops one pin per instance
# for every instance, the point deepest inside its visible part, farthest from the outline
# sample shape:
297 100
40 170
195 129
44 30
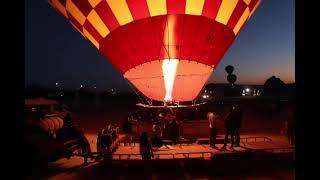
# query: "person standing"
145 147
237 124
127 129
104 142
229 128
67 121
212 129
291 125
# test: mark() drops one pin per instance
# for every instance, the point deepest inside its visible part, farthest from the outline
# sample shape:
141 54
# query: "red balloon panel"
169 36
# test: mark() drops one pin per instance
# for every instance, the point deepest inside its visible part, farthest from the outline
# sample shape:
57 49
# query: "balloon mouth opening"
169 69
169 80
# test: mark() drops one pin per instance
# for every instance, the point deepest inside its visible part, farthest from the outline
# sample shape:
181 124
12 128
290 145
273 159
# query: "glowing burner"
169 69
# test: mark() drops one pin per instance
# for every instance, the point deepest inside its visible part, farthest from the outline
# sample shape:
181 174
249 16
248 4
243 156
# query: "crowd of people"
232 125
168 125
106 137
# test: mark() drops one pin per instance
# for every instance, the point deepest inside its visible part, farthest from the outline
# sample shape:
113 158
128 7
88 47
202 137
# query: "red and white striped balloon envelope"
166 48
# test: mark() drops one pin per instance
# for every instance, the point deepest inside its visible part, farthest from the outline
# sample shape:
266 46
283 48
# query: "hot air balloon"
229 69
167 49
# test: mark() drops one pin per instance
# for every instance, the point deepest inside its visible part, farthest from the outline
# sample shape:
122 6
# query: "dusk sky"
56 52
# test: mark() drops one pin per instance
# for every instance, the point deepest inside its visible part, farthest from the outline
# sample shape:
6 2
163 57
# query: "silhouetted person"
229 128
291 125
67 120
145 147
107 128
174 130
104 142
237 124
104 139
170 124
99 142
212 128
179 120
127 129
156 135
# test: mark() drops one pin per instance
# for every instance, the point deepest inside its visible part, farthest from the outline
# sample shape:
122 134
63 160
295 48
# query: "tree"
273 86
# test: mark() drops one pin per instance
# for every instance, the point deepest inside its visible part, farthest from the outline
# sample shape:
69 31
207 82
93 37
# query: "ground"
75 169
91 122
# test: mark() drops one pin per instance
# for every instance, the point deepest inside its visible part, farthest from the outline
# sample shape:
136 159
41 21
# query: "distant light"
61 95
205 96
205 91
57 84
95 87
247 90
81 85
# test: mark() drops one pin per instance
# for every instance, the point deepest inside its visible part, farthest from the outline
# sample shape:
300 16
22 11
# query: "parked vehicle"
47 134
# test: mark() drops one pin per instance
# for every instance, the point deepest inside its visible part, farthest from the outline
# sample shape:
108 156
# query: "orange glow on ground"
169 69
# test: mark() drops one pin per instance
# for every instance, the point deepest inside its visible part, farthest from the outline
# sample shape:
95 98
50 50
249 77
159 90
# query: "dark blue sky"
55 51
